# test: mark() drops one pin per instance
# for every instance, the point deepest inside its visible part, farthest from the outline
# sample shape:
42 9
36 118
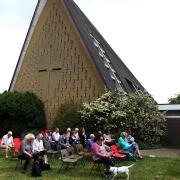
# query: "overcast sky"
144 33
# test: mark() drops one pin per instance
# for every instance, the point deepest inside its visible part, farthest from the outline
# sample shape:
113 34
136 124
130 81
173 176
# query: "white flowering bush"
134 112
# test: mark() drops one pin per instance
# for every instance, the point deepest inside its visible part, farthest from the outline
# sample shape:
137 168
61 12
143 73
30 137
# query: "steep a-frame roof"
112 70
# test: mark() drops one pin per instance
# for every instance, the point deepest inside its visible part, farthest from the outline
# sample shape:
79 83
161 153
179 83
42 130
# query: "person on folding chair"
90 142
38 148
64 141
132 148
55 138
99 153
7 143
26 150
82 136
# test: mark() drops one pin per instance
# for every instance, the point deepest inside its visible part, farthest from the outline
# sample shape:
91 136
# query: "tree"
175 99
21 112
135 112
68 116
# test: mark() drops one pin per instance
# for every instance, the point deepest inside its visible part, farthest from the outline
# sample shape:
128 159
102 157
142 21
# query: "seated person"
38 148
55 138
26 149
82 136
108 139
7 142
133 148
47 138
99 153
63 141
130 139
68 132
72 138
90 142
76 134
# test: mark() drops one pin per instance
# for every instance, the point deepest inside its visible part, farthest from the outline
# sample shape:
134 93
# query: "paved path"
164 152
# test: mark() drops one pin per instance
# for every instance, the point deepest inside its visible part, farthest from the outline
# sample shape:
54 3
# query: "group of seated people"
100 148
98 145
65 139
30 147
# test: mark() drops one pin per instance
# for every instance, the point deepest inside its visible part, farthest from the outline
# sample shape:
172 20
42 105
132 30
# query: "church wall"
56 66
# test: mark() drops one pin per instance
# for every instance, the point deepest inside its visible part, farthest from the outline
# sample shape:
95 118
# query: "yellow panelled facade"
56 66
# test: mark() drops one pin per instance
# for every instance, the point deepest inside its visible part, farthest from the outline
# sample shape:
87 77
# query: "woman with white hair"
26 149
38 148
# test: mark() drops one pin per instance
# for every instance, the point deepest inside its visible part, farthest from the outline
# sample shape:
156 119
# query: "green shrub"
68 116
136 113
21 112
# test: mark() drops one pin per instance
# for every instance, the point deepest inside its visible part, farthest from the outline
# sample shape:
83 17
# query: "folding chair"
72 153
19 161
50 152
66 159
17 143
80 151
116 153
96 166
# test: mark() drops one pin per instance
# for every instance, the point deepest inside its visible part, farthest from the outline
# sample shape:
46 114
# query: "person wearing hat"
7 143
26 149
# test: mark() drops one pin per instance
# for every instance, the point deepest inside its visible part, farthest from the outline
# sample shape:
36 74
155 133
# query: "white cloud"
10 49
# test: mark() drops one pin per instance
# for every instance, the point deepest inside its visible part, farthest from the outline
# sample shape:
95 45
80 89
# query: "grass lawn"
146 169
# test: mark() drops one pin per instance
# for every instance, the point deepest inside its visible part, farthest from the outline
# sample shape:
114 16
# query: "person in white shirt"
38 148
55 138
7 142
56 135
77 134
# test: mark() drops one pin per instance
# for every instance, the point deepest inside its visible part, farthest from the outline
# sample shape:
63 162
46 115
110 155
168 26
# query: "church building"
64 57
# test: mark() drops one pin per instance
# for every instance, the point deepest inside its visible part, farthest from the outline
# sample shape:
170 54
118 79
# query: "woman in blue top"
133 148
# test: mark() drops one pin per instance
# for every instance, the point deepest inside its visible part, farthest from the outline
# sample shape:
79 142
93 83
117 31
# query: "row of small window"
54 14
67 84
81 98
51 35
65 87
56 45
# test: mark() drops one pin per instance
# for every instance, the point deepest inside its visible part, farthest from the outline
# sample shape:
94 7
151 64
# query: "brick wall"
56 66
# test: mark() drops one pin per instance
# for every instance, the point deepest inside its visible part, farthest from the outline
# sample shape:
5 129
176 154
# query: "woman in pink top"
99 153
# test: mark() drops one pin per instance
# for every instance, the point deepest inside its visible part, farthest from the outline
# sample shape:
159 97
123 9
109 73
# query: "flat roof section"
169 107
